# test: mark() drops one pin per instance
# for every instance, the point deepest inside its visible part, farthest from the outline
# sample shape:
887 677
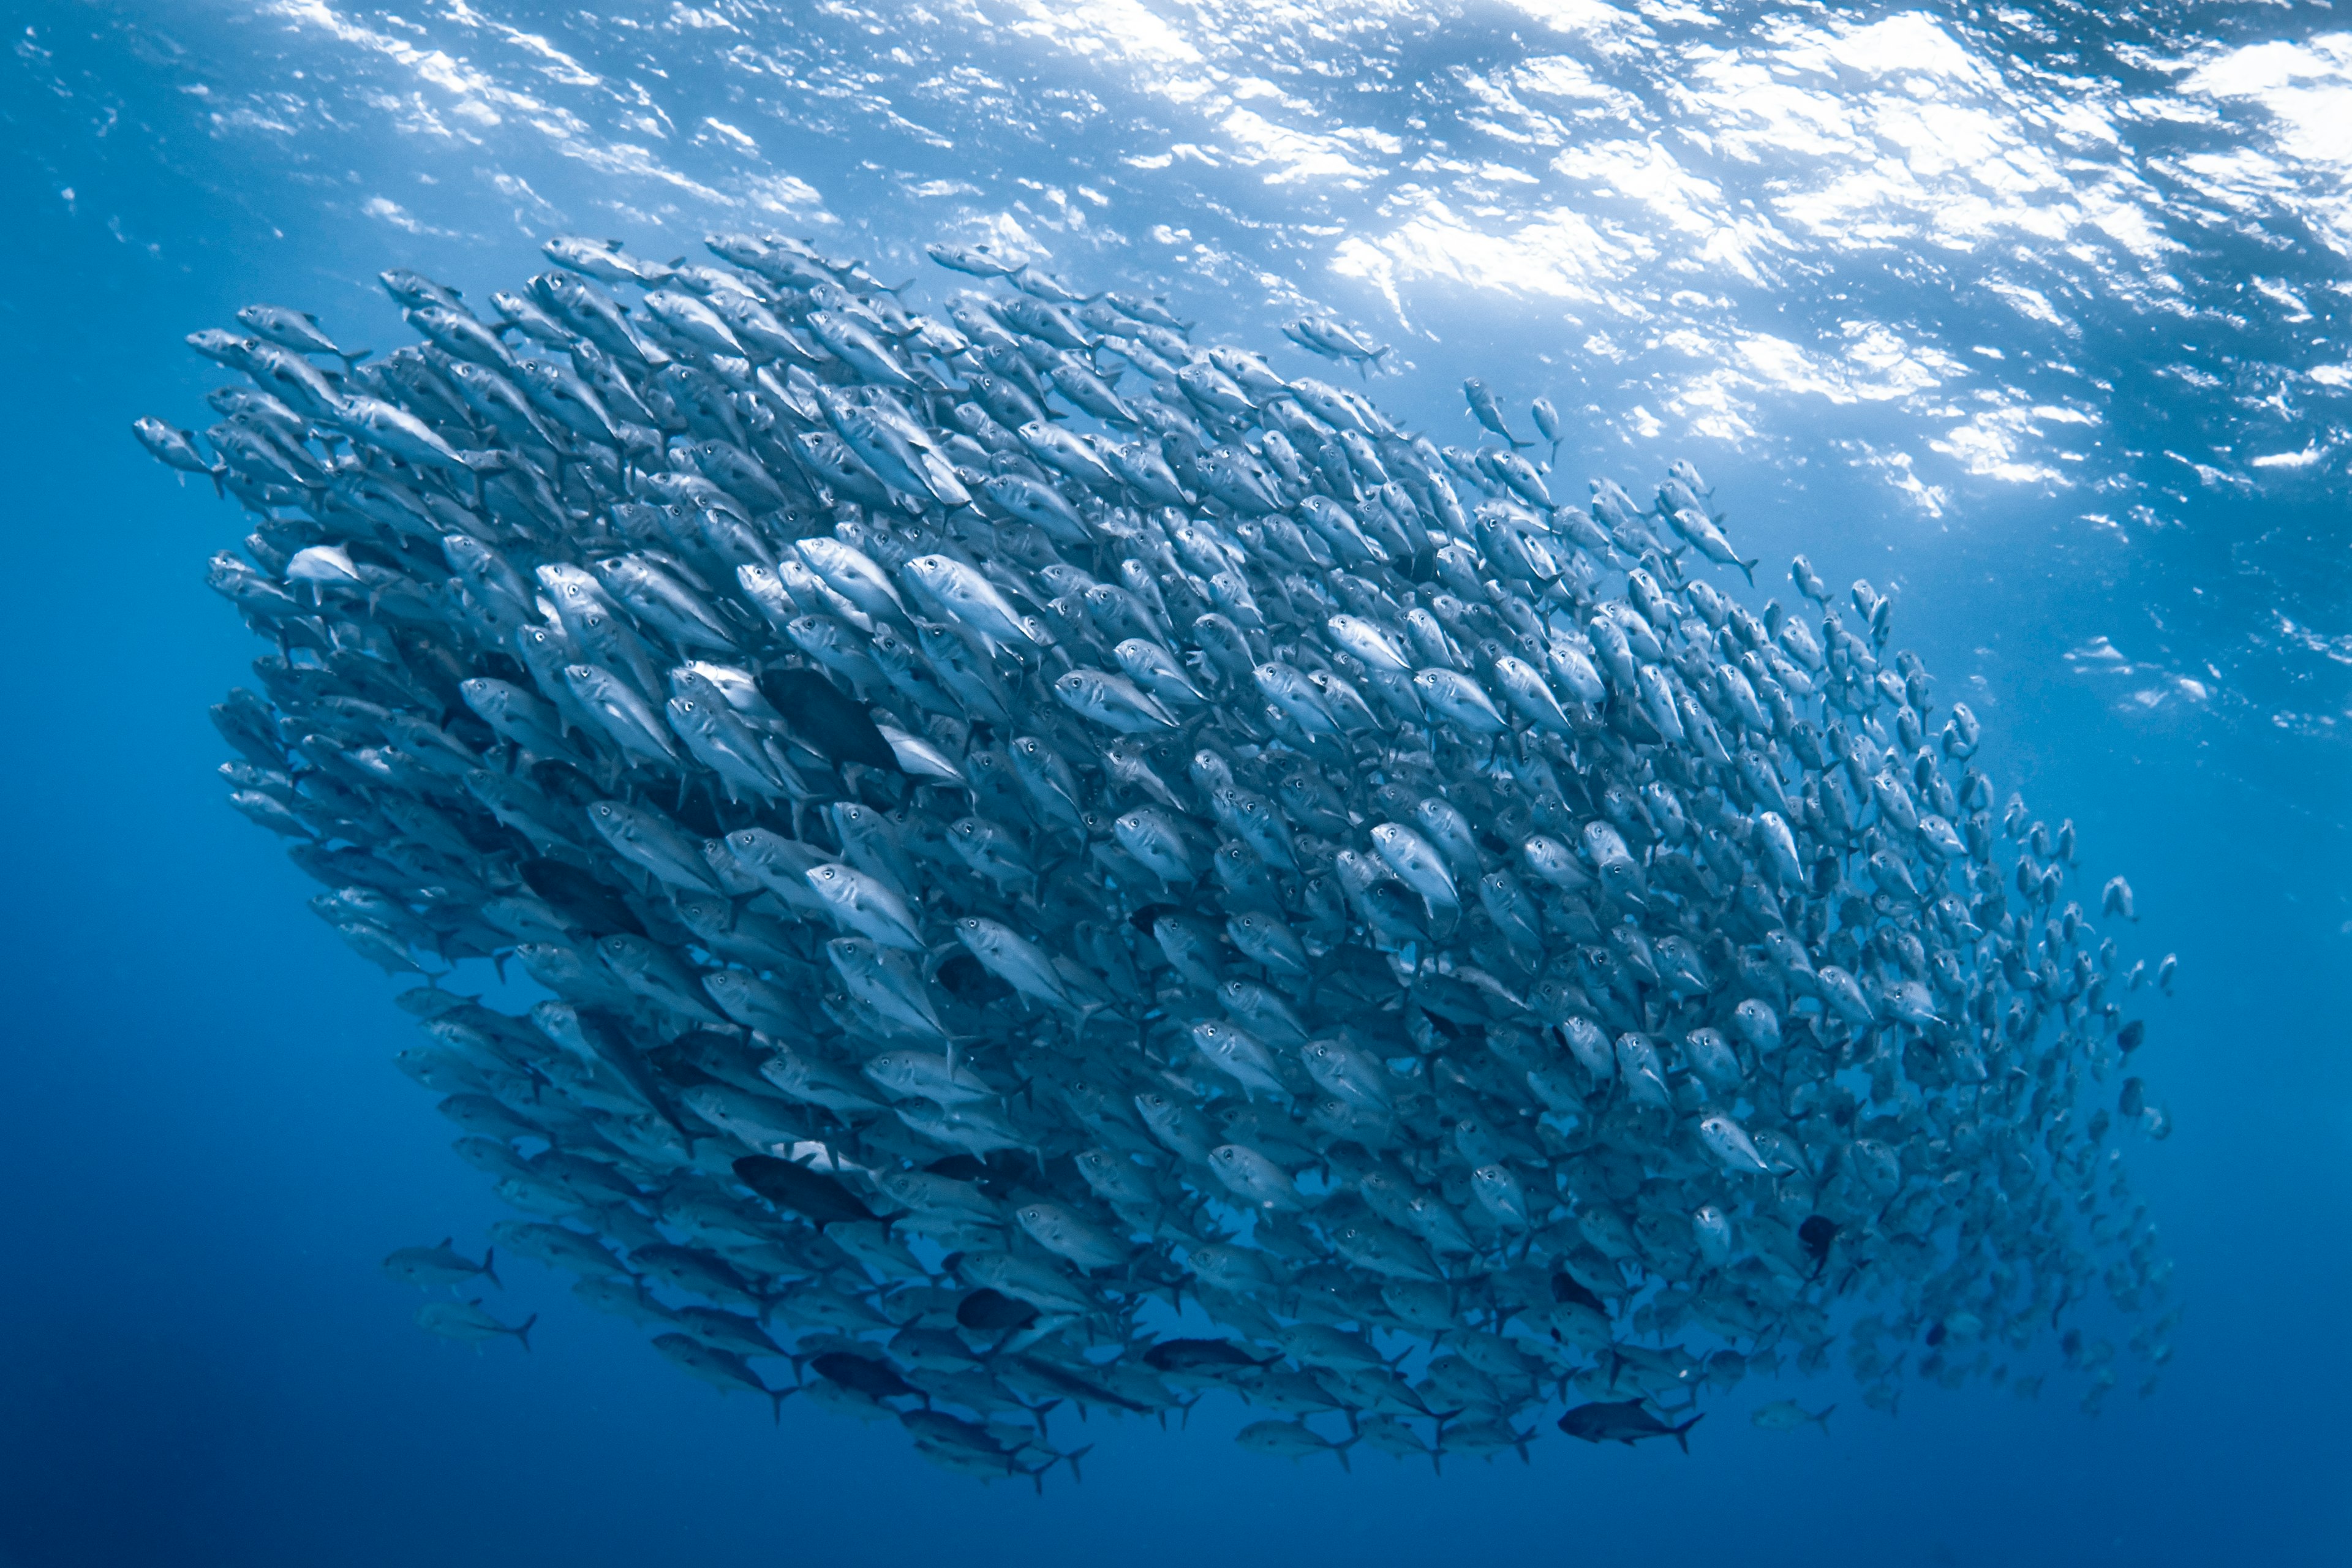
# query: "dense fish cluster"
1072 868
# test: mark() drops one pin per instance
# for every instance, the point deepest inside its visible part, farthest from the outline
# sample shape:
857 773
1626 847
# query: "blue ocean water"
2031 316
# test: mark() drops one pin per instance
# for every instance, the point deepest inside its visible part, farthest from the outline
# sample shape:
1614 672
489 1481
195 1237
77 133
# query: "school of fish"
1069 869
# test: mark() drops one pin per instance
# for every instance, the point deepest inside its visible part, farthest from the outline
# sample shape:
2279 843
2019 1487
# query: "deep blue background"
206 1150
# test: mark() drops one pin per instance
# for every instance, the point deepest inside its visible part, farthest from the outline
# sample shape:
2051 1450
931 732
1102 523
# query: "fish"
1488 412
1292 1440
1787 1415
722 1369
465 1323
438 1264
814 1194
980 260
1626 1421
999 868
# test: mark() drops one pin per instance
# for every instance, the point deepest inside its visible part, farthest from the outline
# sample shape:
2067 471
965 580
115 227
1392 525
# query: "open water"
2034 315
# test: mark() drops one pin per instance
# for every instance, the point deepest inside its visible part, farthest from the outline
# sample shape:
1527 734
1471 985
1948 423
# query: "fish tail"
489 1254
1682 1433
523 1333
